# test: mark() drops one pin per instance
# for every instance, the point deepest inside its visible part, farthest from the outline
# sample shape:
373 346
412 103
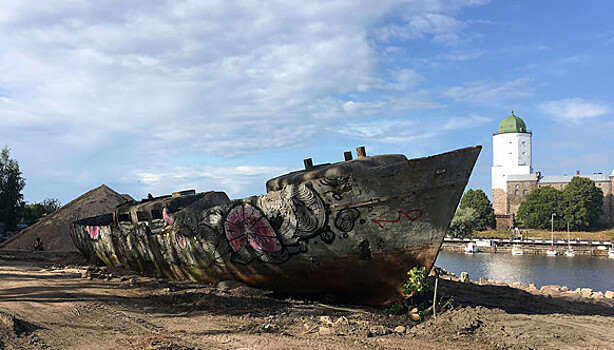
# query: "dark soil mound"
54 230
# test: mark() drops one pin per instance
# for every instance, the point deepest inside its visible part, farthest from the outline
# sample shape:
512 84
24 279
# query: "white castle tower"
511 155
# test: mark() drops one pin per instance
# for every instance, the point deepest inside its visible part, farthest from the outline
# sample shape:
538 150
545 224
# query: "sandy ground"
51 301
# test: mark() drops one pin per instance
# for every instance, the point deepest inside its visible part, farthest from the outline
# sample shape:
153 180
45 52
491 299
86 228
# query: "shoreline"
529 247
547 290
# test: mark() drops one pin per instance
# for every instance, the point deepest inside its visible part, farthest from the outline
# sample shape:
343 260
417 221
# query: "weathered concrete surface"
352 229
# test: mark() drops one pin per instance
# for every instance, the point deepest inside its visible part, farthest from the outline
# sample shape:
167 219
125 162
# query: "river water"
573 272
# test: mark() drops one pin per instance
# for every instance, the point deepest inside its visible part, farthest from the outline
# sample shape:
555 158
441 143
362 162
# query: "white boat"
470 248
569 251
552 251
611 252
517 250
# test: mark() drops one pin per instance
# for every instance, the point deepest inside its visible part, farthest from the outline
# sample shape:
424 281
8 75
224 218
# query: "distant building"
513 178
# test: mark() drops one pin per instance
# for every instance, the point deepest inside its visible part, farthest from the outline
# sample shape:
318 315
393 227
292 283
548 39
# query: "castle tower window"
525 192
517 192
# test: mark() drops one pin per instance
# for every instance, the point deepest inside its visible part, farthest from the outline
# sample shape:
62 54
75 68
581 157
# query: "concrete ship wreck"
352 229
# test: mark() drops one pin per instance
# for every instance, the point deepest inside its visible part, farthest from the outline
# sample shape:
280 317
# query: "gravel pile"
54 230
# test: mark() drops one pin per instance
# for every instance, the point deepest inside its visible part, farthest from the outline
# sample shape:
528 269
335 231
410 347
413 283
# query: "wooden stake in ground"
435 297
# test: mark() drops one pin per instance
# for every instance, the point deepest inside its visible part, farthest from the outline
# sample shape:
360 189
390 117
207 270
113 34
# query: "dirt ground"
53 301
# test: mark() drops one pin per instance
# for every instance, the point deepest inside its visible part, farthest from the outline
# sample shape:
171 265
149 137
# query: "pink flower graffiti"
93 231
246 226
181 240
167 217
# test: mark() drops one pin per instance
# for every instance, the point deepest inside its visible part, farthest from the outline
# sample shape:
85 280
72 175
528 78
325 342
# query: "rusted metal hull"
351 229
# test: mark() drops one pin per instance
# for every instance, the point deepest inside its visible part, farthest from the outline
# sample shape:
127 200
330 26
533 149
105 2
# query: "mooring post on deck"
308 163
347 155
361 152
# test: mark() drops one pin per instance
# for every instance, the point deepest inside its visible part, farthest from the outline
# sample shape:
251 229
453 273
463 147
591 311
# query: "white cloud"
456 123
333 110
85 84
387 131
396 131
236 180
490 92
404 79
442 28
461 56
573 110
576 59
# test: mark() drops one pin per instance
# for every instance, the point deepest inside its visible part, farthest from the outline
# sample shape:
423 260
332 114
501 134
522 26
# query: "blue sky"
220 95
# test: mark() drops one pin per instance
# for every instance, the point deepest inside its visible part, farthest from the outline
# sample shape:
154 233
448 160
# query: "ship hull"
351 229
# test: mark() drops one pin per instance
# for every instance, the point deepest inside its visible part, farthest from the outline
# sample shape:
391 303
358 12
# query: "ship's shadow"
261 303
517 301
243 301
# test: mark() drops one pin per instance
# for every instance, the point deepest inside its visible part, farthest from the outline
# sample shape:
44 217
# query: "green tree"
537 209
481 204
582 203
11 184
33 212
464 222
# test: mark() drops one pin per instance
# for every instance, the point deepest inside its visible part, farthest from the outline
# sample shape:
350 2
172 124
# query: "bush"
11 185
464 222
582 203
31 213
478 201
536 211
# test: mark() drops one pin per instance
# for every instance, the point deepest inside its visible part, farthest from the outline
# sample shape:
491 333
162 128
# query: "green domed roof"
512 124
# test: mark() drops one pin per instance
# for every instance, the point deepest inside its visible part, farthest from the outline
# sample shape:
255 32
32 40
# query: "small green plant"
416 282
398 308
415 287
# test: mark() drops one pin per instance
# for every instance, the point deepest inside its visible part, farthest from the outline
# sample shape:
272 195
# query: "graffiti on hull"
93 231
345 219
412 215
250 235
277 226
270 228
